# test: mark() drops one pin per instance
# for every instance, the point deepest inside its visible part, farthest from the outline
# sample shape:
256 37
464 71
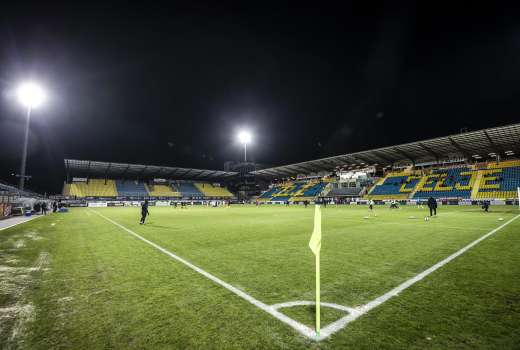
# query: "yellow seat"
162 191
213 191
94 188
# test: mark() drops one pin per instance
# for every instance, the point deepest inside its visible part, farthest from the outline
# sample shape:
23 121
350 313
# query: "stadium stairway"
419 185
66 189
475 189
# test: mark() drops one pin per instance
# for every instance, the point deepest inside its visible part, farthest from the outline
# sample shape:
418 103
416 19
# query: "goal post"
518 196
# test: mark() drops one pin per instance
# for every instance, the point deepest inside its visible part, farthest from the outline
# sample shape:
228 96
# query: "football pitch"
243 278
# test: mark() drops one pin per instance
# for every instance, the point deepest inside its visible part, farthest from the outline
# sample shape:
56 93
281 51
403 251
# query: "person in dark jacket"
432 204
144 211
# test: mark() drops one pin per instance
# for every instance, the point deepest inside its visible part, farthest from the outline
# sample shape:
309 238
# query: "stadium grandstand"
90 179
477 165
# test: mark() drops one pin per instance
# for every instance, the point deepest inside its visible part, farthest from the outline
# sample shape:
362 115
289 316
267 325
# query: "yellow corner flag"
315 242
315 245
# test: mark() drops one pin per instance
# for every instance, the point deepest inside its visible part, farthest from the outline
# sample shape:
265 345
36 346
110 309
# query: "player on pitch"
144 212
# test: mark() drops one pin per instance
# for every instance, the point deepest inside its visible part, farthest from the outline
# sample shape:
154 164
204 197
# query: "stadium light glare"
30 95
245 137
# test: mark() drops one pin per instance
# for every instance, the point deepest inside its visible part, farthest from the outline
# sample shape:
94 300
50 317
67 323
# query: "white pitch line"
342 322
309 303
354 313
22 222
299 327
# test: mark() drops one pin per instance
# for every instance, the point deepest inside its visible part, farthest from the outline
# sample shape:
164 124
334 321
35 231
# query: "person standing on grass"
371 205
144 211
432 204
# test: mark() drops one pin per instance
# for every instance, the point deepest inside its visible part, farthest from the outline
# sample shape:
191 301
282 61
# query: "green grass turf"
84 283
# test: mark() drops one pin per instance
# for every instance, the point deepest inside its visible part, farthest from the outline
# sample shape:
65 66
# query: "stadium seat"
93 188
294 191
188 189
345 191
390 187
209 190
162 191
499 181
131 188
455 182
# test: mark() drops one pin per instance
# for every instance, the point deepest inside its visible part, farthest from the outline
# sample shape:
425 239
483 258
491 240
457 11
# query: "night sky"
172 85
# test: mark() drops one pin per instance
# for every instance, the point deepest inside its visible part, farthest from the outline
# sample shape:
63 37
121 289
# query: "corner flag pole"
518 189
315 245
318 294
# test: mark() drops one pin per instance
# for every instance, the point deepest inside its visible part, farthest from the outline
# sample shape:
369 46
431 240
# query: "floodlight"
244 136
30 95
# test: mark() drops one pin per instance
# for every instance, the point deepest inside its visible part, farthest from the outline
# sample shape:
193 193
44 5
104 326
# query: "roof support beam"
186 173
304 168
382 157
67 170
268 172
172 171
106 172
364 159
352 160
126 170
460 149
142 172
286 172
201 175
494 147
160 170
355 159
429 150
405 154
293 168
88 171
321 167
210 175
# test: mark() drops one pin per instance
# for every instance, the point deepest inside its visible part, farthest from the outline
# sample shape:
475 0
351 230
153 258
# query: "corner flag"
315 242
315 245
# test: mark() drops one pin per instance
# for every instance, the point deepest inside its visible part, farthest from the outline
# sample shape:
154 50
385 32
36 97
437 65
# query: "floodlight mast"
30 96
245 138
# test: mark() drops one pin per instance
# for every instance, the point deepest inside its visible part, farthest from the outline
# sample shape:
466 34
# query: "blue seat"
188 189
131 188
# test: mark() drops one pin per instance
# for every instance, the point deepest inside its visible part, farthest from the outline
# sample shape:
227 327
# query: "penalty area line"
299 327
